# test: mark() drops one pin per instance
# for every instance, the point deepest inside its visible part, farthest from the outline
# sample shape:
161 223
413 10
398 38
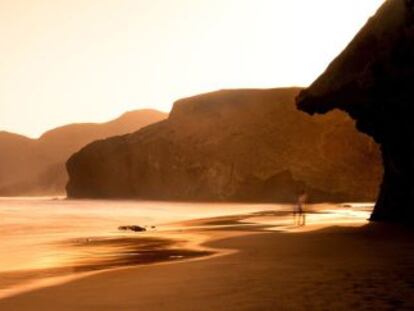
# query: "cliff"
232 145
37 166
372 80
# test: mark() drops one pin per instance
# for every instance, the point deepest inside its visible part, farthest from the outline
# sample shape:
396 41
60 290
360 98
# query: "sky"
65 61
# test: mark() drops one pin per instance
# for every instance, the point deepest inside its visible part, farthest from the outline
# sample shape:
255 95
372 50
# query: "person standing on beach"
298 214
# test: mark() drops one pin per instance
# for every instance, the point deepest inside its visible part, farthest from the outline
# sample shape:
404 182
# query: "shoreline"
173 249
58 239
178 245
255 266
185 241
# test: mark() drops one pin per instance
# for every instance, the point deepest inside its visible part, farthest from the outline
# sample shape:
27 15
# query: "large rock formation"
232 145
373 80
37 166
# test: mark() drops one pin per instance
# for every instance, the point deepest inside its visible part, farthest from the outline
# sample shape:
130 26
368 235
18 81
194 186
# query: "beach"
207 155
48 241
256 261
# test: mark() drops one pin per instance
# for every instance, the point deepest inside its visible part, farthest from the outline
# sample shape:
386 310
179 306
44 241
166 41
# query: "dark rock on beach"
134 228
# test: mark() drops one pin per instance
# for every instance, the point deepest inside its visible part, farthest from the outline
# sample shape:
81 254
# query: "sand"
336 266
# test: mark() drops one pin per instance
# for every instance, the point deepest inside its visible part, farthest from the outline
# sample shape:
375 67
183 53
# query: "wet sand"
46 242
324 266
125 252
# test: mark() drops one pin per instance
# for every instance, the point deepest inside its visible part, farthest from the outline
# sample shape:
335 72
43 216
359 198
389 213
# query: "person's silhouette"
298 212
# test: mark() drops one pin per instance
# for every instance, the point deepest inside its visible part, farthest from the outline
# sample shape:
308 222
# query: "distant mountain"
37 166
232 145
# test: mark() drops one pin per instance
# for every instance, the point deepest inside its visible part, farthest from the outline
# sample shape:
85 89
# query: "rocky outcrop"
232 145
37 166
373 81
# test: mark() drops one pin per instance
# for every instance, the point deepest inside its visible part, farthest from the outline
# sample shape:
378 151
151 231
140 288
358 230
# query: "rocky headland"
37 166
232 145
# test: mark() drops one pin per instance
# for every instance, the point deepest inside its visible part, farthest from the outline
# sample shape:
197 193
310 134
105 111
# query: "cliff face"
373 80
37 166
233 145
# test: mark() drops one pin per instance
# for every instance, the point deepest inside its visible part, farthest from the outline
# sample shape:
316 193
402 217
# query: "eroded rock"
373 81
232 145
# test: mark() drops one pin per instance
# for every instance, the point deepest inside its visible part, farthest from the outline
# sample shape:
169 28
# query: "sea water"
44 238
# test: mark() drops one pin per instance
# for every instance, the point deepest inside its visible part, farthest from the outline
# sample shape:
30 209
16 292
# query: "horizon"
76 62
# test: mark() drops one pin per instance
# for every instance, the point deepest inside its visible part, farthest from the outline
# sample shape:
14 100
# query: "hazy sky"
66 61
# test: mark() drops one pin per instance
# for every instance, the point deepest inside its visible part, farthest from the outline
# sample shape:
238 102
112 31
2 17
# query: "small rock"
134 228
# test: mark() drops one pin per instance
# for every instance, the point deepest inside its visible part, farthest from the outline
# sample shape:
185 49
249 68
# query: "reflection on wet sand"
54 244
103 254
299 219
120 252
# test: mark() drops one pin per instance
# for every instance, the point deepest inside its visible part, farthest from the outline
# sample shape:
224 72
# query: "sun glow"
74 60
